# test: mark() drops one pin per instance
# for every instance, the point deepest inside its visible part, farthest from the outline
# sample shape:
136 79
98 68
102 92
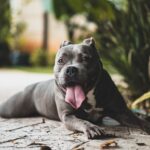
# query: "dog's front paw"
93 131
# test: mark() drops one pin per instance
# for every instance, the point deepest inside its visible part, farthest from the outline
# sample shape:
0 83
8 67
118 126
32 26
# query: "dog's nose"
71 71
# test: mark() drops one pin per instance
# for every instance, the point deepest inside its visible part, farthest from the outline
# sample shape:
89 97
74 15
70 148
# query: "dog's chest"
93 111
91 100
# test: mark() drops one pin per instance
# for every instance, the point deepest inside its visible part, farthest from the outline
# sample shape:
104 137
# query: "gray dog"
80 95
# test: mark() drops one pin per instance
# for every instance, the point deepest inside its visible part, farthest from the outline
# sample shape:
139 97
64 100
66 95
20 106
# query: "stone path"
40 133
43 134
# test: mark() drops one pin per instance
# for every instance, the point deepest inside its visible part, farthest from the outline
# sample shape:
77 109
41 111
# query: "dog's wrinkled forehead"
86 47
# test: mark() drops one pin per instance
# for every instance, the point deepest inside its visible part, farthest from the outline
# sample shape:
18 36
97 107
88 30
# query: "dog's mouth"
75 95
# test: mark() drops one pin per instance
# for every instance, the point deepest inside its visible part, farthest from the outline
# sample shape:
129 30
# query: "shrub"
5 24
39 58
42 58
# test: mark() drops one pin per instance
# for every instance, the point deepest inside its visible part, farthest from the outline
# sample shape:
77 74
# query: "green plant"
141 99
39 58
17 30
5 24
143 103
124 42
42 57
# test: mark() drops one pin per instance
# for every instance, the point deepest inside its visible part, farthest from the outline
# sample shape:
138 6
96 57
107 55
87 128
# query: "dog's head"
77 67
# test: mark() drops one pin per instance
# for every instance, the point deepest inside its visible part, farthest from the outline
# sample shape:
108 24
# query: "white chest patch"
94 112
92 101
91 98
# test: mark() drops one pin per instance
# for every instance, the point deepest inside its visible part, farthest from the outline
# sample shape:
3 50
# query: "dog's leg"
67 116
129 119
114 105
75 124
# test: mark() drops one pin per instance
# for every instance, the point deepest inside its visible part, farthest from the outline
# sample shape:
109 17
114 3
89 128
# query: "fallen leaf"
109 144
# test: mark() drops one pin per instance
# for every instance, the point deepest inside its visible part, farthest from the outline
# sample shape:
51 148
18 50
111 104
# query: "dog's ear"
90 41
65 43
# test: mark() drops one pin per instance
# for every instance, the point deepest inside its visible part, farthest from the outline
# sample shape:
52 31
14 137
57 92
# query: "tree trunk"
45 31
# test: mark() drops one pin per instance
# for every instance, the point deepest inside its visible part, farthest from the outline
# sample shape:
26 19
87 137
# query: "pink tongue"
75 96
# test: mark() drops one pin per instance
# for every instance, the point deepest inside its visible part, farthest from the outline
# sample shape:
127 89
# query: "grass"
109 67
32 69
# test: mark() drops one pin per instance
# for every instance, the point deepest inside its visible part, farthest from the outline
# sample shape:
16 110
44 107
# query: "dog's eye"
60 61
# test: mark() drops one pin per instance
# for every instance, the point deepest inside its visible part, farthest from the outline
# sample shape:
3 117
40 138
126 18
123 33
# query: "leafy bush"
5 24
4 54
41 57
124 42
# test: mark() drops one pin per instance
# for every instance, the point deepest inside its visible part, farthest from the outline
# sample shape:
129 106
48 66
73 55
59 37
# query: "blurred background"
32 30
